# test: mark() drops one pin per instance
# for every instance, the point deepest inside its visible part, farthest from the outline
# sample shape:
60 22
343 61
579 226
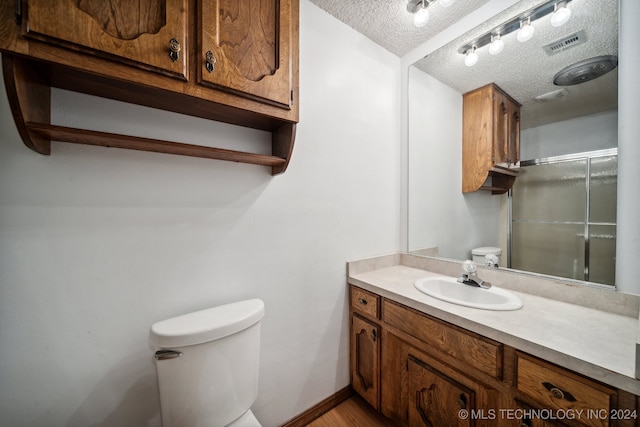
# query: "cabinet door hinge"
18 12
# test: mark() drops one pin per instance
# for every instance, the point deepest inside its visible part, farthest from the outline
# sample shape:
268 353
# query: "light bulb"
446 3
471 58
421 17
526 32
561 15
496 45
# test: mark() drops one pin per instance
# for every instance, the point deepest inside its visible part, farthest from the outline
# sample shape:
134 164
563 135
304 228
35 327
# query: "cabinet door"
139 32
514 133
501 129
365 359
436 400
247 47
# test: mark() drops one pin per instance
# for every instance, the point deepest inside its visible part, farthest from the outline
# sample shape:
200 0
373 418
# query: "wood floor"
353 412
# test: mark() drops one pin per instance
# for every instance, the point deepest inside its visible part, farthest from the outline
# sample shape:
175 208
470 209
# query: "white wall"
97 244
628 227
439 213
579 135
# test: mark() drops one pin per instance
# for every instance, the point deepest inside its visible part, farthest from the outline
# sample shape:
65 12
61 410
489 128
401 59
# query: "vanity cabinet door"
365 359
437 400
248 47
149 34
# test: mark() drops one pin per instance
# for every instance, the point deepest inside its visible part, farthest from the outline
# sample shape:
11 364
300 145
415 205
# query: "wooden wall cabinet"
490 140
431 373
234 62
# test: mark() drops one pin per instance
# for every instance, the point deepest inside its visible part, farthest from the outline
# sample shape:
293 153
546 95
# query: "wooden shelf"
29 94
104 139
502 179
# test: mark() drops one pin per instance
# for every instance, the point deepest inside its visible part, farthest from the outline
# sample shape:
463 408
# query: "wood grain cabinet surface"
138 32
231 61
365 359
245 48
421 371
435 399
490 140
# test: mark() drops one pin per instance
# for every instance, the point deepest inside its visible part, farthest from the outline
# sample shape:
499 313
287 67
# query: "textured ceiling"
523 70
388 23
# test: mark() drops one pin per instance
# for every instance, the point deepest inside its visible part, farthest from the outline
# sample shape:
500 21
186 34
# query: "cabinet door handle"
362 301
210 61
374 335
174 49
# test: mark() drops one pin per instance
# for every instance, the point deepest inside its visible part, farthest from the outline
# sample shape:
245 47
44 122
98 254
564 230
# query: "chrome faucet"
469 277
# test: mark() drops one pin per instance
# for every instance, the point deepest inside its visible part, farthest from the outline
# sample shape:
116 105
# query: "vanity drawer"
365 302
474 351
558 389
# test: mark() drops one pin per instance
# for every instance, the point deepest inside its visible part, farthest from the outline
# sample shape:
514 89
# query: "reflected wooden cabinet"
490 140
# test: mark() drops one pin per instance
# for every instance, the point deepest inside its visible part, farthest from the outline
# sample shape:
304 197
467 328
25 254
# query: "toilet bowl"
207 364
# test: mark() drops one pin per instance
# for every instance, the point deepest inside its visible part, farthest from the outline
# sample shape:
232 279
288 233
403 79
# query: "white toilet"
207 364
478 255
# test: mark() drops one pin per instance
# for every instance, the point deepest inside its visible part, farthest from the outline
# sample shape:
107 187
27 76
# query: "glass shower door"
563 213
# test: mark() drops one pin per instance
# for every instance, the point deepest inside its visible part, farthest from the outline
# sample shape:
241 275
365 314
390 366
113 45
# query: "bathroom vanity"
426 362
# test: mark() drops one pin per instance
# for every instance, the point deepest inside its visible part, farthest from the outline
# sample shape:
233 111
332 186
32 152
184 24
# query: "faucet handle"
469 267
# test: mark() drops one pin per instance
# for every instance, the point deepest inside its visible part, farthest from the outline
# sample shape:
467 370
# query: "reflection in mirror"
563 121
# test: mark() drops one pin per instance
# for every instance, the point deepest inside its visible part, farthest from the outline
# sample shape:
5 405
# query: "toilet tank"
478 254
207 364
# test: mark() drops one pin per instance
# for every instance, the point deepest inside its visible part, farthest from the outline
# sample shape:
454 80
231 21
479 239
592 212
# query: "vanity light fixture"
471 57
421 12
421 16
496 45
522 24
526 31
561 14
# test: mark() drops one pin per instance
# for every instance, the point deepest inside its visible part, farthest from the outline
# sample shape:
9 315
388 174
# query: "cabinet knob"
174 49
362 301
210 61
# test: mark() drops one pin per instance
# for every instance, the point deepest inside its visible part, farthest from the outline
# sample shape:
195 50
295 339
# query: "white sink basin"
448 289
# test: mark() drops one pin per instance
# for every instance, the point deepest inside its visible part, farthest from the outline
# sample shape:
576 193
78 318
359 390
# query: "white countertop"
595 343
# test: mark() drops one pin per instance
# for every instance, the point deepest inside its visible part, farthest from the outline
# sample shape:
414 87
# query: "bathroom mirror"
563 120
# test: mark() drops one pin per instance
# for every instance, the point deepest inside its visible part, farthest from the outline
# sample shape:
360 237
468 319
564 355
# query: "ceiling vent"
565 43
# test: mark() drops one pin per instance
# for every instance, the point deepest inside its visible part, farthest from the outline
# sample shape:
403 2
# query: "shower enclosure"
563 216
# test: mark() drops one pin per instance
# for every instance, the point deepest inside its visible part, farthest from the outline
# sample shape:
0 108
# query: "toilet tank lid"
206 325
487 250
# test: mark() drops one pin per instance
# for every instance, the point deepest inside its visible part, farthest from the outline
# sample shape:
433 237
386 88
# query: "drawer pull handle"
558 393
363 301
